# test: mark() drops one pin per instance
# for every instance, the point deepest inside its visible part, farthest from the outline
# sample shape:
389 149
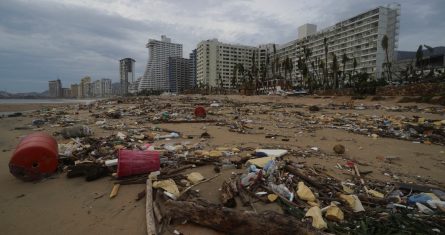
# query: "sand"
58 205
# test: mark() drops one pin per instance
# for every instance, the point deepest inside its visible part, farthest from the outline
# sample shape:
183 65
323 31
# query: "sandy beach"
58 205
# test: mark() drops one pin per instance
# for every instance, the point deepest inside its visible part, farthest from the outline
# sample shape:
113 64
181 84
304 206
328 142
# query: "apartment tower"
156 74
126 69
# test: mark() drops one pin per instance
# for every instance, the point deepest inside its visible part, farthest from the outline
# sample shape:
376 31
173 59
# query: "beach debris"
317 219
76 131
114 191
35 157
339 149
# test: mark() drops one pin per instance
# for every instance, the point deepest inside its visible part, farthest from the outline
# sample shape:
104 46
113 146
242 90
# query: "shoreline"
16 106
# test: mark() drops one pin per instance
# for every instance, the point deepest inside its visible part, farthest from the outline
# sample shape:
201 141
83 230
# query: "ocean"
46 101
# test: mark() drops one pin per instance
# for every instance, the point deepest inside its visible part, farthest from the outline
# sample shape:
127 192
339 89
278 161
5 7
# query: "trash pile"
307 199
416 129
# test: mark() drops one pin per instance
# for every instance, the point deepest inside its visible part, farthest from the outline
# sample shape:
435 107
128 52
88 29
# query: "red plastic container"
35 156
200 111
135 162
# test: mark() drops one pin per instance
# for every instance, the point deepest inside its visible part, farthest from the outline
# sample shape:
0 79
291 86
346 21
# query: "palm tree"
431 51
344 60
334 68
241 71
220 83
354 67
286 68
326 51
388 63
291 68
234 77
419 58
263 75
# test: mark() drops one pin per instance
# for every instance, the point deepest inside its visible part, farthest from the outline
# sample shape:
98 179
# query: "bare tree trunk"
237 222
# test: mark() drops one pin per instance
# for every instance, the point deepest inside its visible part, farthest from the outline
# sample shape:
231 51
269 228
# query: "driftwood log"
227 195
237 222
151 226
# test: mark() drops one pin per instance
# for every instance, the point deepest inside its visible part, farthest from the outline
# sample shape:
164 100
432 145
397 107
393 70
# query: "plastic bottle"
282 190
247 180
440 194
419 198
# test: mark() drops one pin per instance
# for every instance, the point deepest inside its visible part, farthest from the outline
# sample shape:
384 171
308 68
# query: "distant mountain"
23 95
404 55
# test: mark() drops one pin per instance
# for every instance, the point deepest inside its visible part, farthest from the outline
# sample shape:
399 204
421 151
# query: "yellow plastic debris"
334 213
195 177
375 193
168 185
347 189
222 149
201 153
317 220
304 192
353 202
313 203
215 153
433 196
260 162
272 197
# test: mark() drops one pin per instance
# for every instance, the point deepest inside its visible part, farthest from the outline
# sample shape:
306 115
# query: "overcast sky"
42 40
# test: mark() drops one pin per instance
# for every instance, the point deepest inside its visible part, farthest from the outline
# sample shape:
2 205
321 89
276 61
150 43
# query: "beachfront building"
358 37
179 74
127 73
216 62
55 88
105 87
66 92
85 86
74 90
193 60
156 75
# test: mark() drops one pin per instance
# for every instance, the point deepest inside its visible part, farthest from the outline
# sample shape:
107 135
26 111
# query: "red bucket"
35 156
135 162
200 112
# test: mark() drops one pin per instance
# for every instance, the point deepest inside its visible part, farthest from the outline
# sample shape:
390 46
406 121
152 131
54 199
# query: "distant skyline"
69 39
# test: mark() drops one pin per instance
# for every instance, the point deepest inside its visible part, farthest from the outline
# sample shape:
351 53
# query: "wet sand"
58 205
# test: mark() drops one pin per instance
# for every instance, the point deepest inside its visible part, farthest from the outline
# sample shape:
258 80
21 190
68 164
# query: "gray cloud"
43 40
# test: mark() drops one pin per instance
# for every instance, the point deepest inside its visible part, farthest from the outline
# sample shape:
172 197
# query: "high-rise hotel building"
126 71
358 37
216 60
156 73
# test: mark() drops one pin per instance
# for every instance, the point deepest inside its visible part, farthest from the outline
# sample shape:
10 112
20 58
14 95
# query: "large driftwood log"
237 222
227 195
151 226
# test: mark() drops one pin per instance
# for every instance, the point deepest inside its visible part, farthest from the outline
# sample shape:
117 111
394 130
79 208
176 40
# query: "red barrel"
35 156
135 162
200 112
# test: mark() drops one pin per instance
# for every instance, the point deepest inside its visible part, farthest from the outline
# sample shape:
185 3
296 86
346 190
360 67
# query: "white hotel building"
156 75
216 59
359 37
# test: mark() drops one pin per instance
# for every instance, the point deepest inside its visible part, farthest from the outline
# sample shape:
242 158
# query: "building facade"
126 69
216 62
179 74
105 86
358 37
85 86
156 75
74 90
55 88
66 92
193 62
